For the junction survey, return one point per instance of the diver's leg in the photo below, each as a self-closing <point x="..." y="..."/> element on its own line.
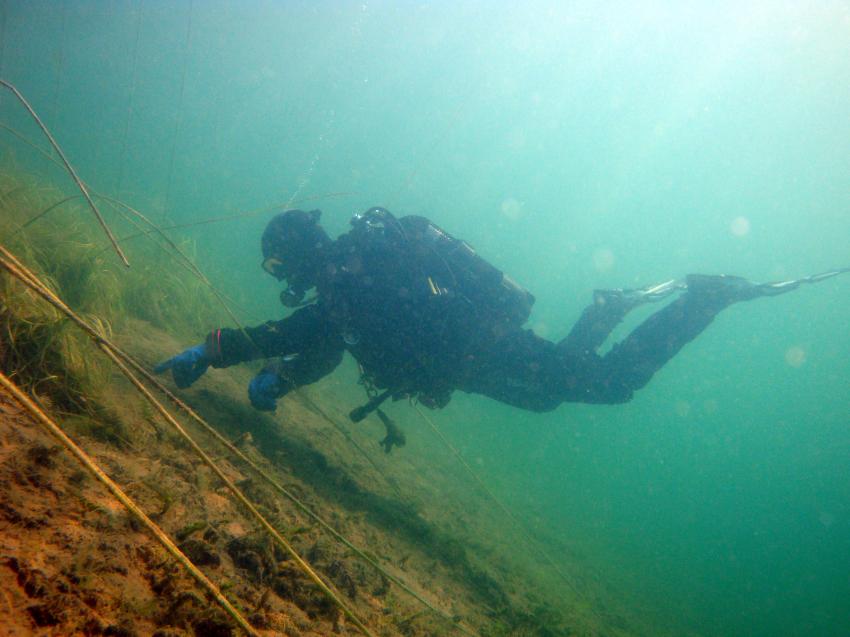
<point x="526" y="371"/>
<point x="594" y="325"/>
<point x="530" y="372"/>
<point x="599" y="319"/>
<point x="632" y="362"/>
<point x="520" y="369"/>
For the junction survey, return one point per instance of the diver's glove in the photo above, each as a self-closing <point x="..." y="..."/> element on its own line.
<point x="264" y="390"/>
<point x="187" y="367"/>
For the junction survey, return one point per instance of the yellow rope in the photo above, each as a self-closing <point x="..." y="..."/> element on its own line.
<point x="128" y="503"/>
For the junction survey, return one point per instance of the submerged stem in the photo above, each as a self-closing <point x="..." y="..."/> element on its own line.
<point x="70" y="170"/>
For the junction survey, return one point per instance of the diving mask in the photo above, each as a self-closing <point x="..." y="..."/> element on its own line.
<point x="275" y="267"/>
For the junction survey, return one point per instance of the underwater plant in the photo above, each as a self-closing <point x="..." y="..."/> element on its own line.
<point x="64" y="248"/>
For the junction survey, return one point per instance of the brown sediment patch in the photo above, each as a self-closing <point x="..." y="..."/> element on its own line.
<point x="73" y="562"/>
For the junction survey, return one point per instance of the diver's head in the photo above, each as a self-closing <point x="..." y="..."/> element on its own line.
<point x="293" y="246"/>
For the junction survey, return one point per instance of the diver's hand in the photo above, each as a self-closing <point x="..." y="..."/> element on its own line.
<point x="187" y="367"/>
<point x="395" y="436"/>
<point x="264" y="390"/>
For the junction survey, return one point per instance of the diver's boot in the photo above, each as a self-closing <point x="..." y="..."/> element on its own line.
<point x="721" y="289"/>
<point x="725" y="289"/>
<point x="629" y="299"/>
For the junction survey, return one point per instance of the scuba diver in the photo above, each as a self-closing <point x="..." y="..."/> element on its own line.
<point x="424" y="315"/>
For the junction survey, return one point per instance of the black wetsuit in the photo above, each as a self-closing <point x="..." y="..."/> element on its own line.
<point x="530" y="372"/>
<point x="397" y="307"/>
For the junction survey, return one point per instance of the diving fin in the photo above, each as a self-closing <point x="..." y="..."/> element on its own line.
<point x="734" y="288"/>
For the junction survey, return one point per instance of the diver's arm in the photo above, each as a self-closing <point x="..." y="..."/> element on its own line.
<point x="227" y="346"/>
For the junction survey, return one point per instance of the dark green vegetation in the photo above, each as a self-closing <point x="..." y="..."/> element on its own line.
<point x="65" y="249"/>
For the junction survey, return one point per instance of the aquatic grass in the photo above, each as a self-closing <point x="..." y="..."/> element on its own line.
<point x="64" y="250"/>
<point x="38" y="347"/>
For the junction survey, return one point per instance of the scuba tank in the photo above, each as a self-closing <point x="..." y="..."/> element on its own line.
<point x="479" y="280"/>
<point x="463" y="270"/>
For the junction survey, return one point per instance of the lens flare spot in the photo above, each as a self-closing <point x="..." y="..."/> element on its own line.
<point x="511" y="208"/>
<point x="603" y="259"/>
<point x="795" y="356"/>
<point x="710" y="406"/>
<point x="740" y="226"/>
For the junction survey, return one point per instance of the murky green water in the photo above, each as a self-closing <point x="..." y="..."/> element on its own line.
<point x="578" y="146"/>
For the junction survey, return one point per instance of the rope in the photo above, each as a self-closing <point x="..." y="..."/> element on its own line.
<point x="70" y="170"/>
<point x="283" y="491"/>
<point x="438" y="140"/>
<point x="18" y="270"/>
<point x="312" y="405"/>
<point x="502" y="507"/>
<point x="128" y="503"/>
<point x="184" y="261"/>
<point x="200" y="275"/>
<point x="153" y="228"/>
<point x="194" y="269"/>
<point x="29" y="142"/>
<point x="239" y="215"/>
<point x="292" y="497"/>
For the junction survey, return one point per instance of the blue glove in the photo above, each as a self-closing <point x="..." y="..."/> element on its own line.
<point x="187" y="366"/>
<point x="264" y="390"/>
